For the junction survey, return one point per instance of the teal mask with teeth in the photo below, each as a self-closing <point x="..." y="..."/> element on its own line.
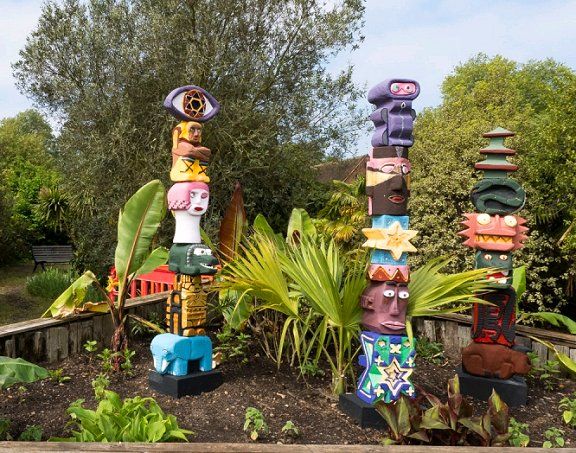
<point x="192" y="259"/>
<point x="502" y="261"/>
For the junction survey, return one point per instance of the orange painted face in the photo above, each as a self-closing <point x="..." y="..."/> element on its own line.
<point x="495" y="232"/>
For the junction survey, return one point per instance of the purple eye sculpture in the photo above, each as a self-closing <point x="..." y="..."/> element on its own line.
<point x="183" y="357"/>
<point x="394" y="116"/>
<point x="388" y="352"/>
<point x="493" y="360"/>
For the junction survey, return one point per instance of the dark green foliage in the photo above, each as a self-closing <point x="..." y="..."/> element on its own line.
<point x="536" y="100"/>
<point x="131" y="420"/>
<point x="450" y="423"/>
<point x="430" y="350"/>
<point x="264" y="61"/>
<point x="26" y="167"/>
<point x="548" y="372"/>
<point x="233" y="344"/>
<point x="32" y="433"/>
<point x="51" y="283"/>
<point x="5" y="429"/>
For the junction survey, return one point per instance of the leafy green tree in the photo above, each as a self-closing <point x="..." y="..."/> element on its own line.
<point x="104" y="67"/>
<point x="537" y="100"/>
<point x="26" y="166"/>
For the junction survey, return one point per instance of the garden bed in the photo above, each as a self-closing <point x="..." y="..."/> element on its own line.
<point x="279" y="395"/>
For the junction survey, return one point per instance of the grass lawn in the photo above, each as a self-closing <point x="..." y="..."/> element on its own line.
<point x="15" y="302"/>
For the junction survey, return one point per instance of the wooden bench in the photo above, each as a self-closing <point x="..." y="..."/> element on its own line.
<point x="43" y="254"/>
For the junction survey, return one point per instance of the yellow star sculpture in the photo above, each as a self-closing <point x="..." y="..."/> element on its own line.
<point x="394" y="239"/>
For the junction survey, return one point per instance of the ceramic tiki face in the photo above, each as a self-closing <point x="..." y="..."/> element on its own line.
<point x="497" y="233"/>
<point x="186" y="142"/>
<point x="385" y="305"/>
<point x="500" y="260"/>
<point x="387" y="193"/>
<point x="191" y="103"/>
<point x="498" y="196"/>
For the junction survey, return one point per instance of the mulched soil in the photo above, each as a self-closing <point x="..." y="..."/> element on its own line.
<point x="219" y="416"/>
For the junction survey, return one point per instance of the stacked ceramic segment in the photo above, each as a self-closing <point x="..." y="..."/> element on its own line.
<point x="388" y="353"/>
<point x="495" y="232"/>
<point x="191" y="260"/>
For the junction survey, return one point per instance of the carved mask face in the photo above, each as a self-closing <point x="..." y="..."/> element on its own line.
<point x="198" y="201"/>
<point x="385" y="305"/>
<point x="389" y="195"/>
<point x="499" y="260"/>
<point x="190" y="132"/>
<point x="498" y="196"/>
<point x="487" y="232"/>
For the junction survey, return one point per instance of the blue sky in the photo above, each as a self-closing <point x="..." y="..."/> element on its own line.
<point x="420" y="39"/>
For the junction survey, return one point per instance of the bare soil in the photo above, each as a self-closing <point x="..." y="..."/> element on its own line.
<point x="219" y="416"/>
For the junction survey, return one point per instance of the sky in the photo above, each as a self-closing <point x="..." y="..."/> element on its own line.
<point x="419" y="39"/>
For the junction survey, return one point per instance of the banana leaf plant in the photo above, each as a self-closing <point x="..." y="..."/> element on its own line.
<point x="138" y="222"/>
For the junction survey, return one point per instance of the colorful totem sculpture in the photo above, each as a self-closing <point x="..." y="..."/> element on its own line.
<point x="388" y="353"/>
<point x="185" y="348"/>
<point x="495" y="232"/>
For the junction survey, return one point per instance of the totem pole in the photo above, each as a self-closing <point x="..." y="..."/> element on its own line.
<point x="492" y="360"/>
<point x="388" y="353"/>
<point x="183" y="357"/>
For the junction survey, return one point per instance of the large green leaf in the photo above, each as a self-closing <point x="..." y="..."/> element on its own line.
<point x="519" y="282"/>
<point x="555" y="319"/>
<point x="14" y="371"/>
<point x="72" y="297"/>
<point x="158" y="257"/>
<point x="300" y="226"/>
<point x="138" y="222"/>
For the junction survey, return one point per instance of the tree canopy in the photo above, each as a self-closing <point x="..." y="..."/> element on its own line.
<point x="103" y="68"/>
<point x="537" y="100"/>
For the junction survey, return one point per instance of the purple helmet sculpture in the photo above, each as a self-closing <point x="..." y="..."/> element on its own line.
<point x="394" y="116"/>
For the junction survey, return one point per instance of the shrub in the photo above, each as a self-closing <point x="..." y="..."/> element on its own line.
<point x="32" y="433"/>
<point x="132" y="420"/>
<point x="53" y="282"/>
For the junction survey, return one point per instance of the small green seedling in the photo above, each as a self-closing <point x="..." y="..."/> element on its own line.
<point x="5" y="428"/>
<point x="91" y="346"/>
<point x="568" y="405"/>
<point x="57" y="376"/>
<point x="99" y="385"/>
<point x="518" y="433"/>
<point x="290" y="429"/>
<point x="554" y="438"/>
<point x="255" y="424"/>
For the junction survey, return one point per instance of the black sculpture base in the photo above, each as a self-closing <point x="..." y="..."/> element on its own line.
<point x="191" y="384"/>
<point x="362" y="413"/>
<point x="513" y="391"/>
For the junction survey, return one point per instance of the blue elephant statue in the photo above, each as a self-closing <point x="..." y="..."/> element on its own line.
<point x="172" y="353"/>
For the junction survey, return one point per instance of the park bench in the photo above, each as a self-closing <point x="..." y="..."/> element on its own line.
<point x="43" y="254"/>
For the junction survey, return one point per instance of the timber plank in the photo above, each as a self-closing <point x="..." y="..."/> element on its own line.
<point x="233" y="448"/>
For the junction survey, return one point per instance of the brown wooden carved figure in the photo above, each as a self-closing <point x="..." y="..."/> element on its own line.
<point x="495" y="324"/>
<point x="494" y="361"/>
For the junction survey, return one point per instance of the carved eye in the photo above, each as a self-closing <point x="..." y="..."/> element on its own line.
<point x="405" y="169"/>
<point x="204" y="195"/>
<point x="394" y="88"/>
<point x="387" y="168"/>
<point x="403" y="294"/>
<point x="191" y="103"/>
<point x="487" y="257"/>
<point x="483" y="219"/>
<point x="503" y="257"/>
<point x="201" y="252"/>
<point x="510" y="221"/>
<point x="408" y="87"/>
<point x="389" y="293"/>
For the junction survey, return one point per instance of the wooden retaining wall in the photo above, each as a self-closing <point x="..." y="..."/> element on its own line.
<point x="50" y="340"/>
<point x="454" y="332"/>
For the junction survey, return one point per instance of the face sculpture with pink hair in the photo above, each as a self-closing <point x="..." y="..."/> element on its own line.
<point x="188" y="201"/>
